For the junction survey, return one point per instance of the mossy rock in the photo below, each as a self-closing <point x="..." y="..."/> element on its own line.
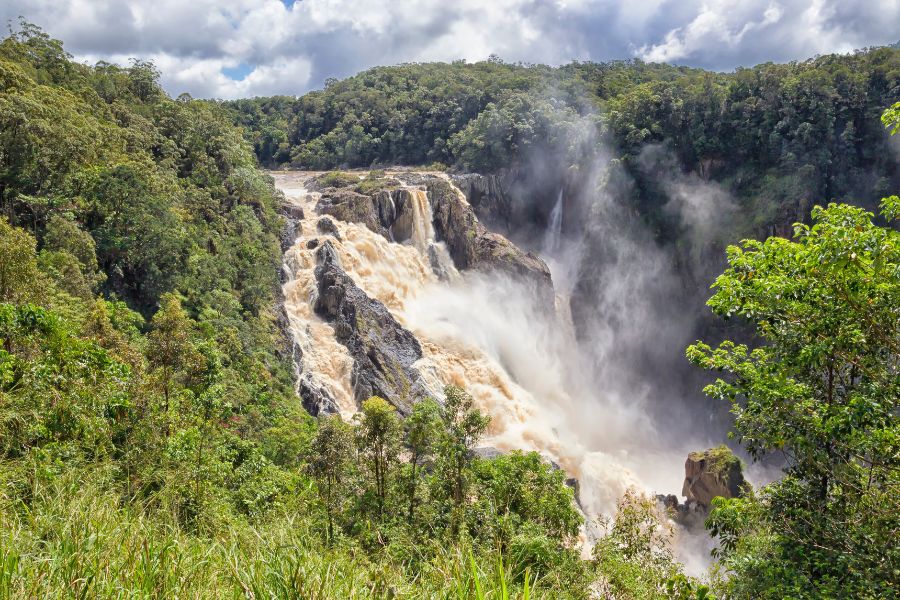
<point x="715" y="472"/>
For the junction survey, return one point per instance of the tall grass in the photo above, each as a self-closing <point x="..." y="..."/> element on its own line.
<point x="76" y="538"/>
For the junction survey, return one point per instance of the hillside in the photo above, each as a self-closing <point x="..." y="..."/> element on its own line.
<point x="152" y="438"/>
<point x="778" y="137"/>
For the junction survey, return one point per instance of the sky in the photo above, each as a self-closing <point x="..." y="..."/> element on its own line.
<point x="243" y="48"/>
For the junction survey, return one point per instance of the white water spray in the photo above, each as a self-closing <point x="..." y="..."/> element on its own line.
<point x="483" y="333"/>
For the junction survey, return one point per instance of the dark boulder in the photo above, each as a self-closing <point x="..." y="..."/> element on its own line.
<point x="289" y="234"/>
<point x="327" y="226"/>
<point x="383" y="351"/>
<point x="293" y="211"/>
<point x="292" y="215"/>
<point x="315" y="398"/>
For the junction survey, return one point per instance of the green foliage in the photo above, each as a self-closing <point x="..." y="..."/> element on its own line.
<point x="891" y="118"/>
<point x="777" y="137"/>
<point x="79" y="539"/>
<point x="19" y="276"/>
<point x="338" y="179"/>
<point x="330" y="464"/>
<point x="635" y="557"/>
<point x="378" y="440"/>
<point x="462" y="428"/>
<point x="823" y="390"/>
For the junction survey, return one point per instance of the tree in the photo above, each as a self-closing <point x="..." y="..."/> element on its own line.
<point x="19" y="276"/>
<point x="823" y="390"/>
<point x="64" y="234"/>
<point x="331" y="464"/>
<point x="378" y="439"/>
<point x="463" y="425"/>
<point x="422" y="429"/>
<point x="891" y="118"/>
<point x="169" y="347"/>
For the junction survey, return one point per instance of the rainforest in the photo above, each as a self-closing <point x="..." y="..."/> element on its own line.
<point x="615" y="330"/>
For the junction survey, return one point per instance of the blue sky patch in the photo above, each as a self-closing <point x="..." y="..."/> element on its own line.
<point x="239" y="72"/>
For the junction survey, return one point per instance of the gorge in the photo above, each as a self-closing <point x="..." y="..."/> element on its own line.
<point x="478" y="320"/>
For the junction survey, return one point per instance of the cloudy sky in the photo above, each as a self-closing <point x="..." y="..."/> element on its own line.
<point x="235" y="48"/>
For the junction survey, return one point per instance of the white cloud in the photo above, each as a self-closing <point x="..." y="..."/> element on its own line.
<point x="717" y="23"/>
<point x="294" y="49"/>
<point x="724" y="33"/>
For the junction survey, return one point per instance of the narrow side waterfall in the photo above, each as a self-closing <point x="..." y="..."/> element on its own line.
<point x="554" y="227"/>
<point x="485" y="333"/>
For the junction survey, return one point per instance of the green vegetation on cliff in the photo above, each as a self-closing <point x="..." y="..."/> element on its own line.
<point x="779" y="137"/>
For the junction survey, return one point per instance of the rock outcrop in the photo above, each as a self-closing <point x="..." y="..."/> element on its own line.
<point x="388" y="212"/>
<point x="383" y="351"/>
<point x="472" y="246"/>
<point x="392" y="213"/>
<point x="315" y="398"/>
<point x="716" y="472"/>
<point x="327" y="226"/>
<point x="351" y="207"/>
<point x="489" y="196"/>
<point x="292" y="215"/>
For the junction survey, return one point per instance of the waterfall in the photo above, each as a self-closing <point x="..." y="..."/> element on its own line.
<point x="484" y="333"/>
<point x="422" y="228"/>
<point x="554" y="227"/>
<point x="423" y="237"/>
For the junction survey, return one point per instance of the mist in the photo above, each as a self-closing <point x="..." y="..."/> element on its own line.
<point x="608" y="369"/>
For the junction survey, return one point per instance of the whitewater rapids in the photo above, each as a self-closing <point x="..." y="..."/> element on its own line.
<point x="482" y="333"/>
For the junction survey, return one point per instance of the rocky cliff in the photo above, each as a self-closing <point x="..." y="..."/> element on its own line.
<point x="383" y="351"/>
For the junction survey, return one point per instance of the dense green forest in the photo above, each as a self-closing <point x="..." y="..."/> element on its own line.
<point x="779" y="136"/>
<point x="152" y="443"/>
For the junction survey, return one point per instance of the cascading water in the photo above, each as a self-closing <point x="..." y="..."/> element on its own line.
<point x="422" y="230"/>
<point x="485" y="334"/>
<point x="423" y="236"/>
<point x="554" y="227"/>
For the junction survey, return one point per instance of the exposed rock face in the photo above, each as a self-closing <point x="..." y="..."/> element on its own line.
<point x="716" y="472"/>
<point x="316" y="399"/>
<point x="392" y="213"/>
<point x="489" y="195"/>
<point x="292" y="215"/>
<point x="486" y="452"/>
<point x="472" y="246"/>
<point x="352" y="207"/>
<point x="326" y="225"/>
<point x="292" y="211"/>
<point x="287" y="348"/>
<point x="383" y="351"/>
<point x="388" y="212"/>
